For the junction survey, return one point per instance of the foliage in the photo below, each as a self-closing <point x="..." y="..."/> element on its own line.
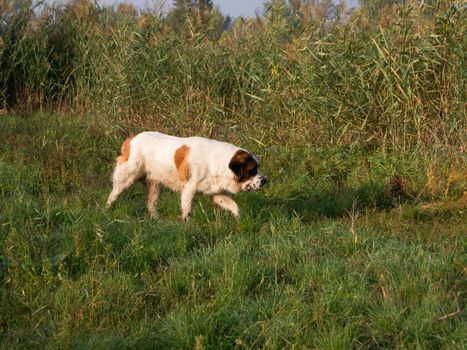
<point x="394" y="79"/>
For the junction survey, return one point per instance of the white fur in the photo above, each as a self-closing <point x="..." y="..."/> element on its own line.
<point x="152" y="157"/>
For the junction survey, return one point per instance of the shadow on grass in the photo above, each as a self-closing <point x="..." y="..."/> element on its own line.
<point x="339" y="201"/>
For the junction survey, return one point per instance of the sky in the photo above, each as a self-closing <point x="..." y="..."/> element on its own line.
<point x="233" y="8"/>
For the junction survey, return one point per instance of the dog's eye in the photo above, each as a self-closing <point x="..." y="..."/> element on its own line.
<point x="253" y="172"/>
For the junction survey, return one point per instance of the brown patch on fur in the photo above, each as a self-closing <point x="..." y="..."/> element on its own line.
<point x="241" y="164"/>
<point x="181" y="162"/>
<point x="125" y="151"/>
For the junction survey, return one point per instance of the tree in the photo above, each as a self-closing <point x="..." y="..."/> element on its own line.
<point x="197" y="15"/>
<point x="373" y="7"/>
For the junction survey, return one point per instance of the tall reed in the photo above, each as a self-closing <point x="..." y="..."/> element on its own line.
<point x="395" y="80"/>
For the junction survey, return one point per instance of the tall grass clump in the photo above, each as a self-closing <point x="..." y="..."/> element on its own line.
<point x="395" y="79"/>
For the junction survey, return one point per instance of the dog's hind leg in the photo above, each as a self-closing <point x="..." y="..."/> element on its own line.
<point x="124" y="176"/>
<point x="154" y="190"/>
<point x="227" y="203"/>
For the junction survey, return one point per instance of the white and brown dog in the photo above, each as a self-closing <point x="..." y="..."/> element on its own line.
<point x="187" y="165"/>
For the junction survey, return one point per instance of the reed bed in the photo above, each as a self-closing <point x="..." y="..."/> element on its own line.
<point x="397" y="79"/>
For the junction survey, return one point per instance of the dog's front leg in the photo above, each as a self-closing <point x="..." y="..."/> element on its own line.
<point x="227" y="203"/>
<point x="188" y="193"/>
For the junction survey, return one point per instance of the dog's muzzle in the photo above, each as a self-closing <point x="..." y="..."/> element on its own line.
<point x="256" y="184"/>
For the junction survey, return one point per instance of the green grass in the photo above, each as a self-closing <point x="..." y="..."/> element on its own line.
<point x="348" y="247"/>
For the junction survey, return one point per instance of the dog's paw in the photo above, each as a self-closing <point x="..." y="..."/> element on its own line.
<point x="154" y="216"/>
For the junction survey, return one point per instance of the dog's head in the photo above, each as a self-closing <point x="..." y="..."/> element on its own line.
<point x="245" y="167"/>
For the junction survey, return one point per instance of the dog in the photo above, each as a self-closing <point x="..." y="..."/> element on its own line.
<point x="187" y="165"/>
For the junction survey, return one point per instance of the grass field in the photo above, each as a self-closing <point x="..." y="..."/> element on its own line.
<point x="358" y="241"/>
<point x="346" y="248"/>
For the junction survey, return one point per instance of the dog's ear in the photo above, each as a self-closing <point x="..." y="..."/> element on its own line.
<point x="240" y="163"/>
